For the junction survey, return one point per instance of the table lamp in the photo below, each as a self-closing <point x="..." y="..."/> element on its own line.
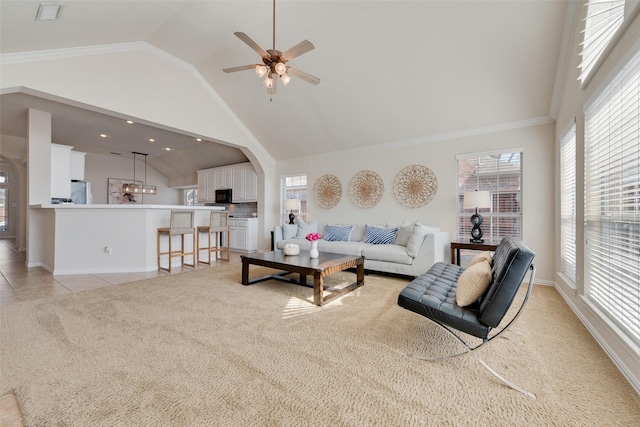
<point x="291" y="205"/>
<point x="478" y="200"/>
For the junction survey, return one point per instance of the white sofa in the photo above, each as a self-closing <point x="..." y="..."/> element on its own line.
<point x="415" y="248"/>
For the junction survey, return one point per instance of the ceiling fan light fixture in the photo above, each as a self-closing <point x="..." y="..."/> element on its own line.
<point x="268" y="82"/>
<point x="261" y="70"/>
<point x="285" y="79"/>
<point x="281" y="68"/>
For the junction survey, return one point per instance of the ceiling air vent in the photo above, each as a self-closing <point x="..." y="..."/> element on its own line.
<point x="48" y="12"/>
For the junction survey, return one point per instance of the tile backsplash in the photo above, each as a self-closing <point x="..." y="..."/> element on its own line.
<point x="239" y="210"/>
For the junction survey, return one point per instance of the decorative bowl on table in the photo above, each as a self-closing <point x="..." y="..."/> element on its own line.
<point x="291" y="249"/>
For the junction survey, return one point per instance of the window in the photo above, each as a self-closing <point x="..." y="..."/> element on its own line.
<point x="294" y="187"/>
<point x="500" y="173"/>
<point x="4" y="196"/>
<point x="602" y="21"/>
<point x="190" y="196"/>
<point x="612" y="199"/>
<point x="568" y="204"/>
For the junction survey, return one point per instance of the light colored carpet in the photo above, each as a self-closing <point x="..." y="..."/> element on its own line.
<point x="200" y="349"/>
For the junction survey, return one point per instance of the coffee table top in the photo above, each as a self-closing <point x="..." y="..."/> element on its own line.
<point x="278" y="258"/>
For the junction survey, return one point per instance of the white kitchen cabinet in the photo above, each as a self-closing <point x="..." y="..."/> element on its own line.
<point x="224" y="177"/>
<point x="77" y="165"/>
<point x="60" y="171"/>
<point x="202" y="185"/>
<point x="241" y="179"/>
<point x="245" y="183"/>
<point x="243" y="235"/>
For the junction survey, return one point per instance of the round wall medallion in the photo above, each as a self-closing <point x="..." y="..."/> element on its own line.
<point x="327" y="191"/>
<point x="415" y="186"/>
<point x="366" y="189"/>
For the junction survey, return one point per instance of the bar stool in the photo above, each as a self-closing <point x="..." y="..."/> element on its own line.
<point x="181" y="224"/>
<point x="218" y="224"/>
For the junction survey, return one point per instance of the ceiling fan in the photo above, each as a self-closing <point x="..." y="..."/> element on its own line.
<point x="274" y="61"/>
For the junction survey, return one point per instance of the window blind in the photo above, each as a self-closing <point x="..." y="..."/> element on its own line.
<point x="604" y="17"/>
<point x="568" y="203"/>
<point x="612" y="199"/>
<point x="500" y="173"/>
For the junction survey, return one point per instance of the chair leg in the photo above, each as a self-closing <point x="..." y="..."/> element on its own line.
<point x="504" y="380"/>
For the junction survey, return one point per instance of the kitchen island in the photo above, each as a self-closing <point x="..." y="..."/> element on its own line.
<point x="90" y="239"/>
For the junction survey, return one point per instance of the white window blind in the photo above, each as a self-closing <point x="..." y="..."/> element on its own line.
<point x="612" y="205"/>
<point x="568" y="203"/>
<point x="500" y="173"/>
<point x="604" y="17"/>
<point x="295" y="187"/>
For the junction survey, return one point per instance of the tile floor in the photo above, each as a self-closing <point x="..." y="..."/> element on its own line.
<point x="19" y="283"/>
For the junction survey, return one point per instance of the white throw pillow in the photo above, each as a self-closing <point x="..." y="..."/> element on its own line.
<point x="304" y="229"/>
<point x="473" y="283"/>
<point x="289" y="231"/>
<point x="405" y="230"/>
<point x="416" y="239"/>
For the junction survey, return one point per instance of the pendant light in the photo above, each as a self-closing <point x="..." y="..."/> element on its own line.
<point x="134" y="188"/>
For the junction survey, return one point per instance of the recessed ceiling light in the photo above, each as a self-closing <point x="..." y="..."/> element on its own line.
<point x="130" y="122"/>
<point x="199" y="139"/>
<point x="102" y="135"/>
<point x="168" y="149"/>
<point x="152" y="140"/>
<point x="48" y="12"/>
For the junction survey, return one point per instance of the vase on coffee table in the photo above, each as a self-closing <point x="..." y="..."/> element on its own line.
<point x="313" y="252"/>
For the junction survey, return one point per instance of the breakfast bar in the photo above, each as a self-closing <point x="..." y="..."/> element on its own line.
<point x="89" y="239"/>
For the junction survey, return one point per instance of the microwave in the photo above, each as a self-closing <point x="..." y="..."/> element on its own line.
<point x="223" y="196"/>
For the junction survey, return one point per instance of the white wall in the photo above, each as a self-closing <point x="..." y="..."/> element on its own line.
<point x="537" y="143"/>
<point x="100" y="167"/>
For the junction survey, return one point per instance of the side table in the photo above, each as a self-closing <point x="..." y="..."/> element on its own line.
<point x="456" y="245"/>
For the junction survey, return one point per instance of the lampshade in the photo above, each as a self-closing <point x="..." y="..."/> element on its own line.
<point x="292" y="205"/>
<point x="285" y="79"/>
<point x="477" y="200"/>
<point x="281" y="68"/>
<point x="268" y="82"/>
<point x="261" y="70"/>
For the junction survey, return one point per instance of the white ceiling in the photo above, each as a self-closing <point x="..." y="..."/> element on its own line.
<point x="391" y="70"/>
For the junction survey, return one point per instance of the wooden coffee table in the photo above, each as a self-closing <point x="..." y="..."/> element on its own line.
<point x="324" y="265"/>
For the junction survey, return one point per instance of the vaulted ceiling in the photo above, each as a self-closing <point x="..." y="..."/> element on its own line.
<point x="391" y="70"/>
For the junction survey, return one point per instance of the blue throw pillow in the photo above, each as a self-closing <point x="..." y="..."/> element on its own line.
<point x="337" y="233"/>
<point x="379" y="235"/>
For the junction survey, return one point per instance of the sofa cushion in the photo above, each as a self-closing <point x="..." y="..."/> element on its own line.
<point x="379" y="235"/>
<point x="304" y="229"/>
<point x="473" y="283"/>
<point x="388" y="253"/>
<point x="357" y="233"/>
<point x="337" y="233"/>
<point x="289" y="231"/>
<point x="345" y="248"/>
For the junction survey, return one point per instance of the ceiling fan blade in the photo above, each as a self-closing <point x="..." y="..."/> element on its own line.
<point x="304" y="76"/>
<point x="297" y="50"/>
<point x="240" y="68"/>
<point x="253" y="45"/>
<point x="274" y="87"/>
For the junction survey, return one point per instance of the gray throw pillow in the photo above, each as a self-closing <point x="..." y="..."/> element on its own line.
<point x="416" y="239"/>
<point x="304" y="229"/>
<point x="289" y="231"/>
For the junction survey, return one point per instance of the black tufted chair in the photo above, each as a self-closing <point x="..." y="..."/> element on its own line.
<point x="433" y="295"/>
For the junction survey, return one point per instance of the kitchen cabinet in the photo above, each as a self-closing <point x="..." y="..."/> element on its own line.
<point x="77" y="165"/>
<point x="60" y="171"/>
<point x="224" y="178"/>
<point x="243" y="234"/>
<point x="245" y="183"/>
<point x="241" y="179"/>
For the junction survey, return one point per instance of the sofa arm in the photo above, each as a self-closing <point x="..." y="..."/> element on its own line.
<point x="277" y="235"/>
<point x="435" y="248"/>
